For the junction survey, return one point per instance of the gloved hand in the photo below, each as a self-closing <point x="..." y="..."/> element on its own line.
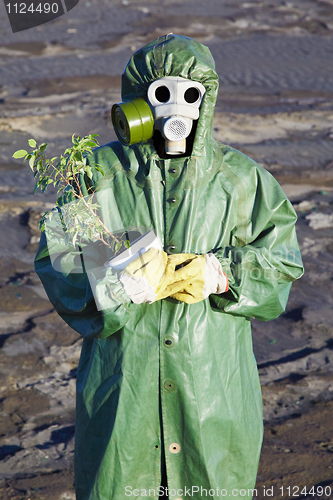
<point x="177" y="274"/>
<point x="142" y="276"/>
<point x="190" y="278"/>
<point x="205" y="276"/>
<point x="152" y="276"/>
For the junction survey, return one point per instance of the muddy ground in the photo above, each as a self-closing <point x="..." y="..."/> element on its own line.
<point x="275" y="62"/>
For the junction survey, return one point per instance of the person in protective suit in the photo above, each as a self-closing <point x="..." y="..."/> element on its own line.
<point x="167" y="381"/>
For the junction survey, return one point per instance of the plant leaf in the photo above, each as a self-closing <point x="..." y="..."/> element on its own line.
<point x="32" y="143"/>
<point x="20" y="153"/>
<point x="32" y="162"/>
<point x="88" y="171"/>
<point x="78" y="156"/>
<point x="117" y="247"/>
<point x="68" y="188"/>
<point x="99" y="169"/>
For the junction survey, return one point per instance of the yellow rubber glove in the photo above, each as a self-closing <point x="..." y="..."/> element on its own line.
<point x="207" y="277"/>
<point x="143" y="275"/>
<point x="189" y="278"/>
<point x="154" y="275"/>
<point x="177" y="275"/>
<point x="150" y="265"/>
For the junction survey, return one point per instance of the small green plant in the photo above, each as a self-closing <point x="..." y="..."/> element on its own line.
<point x="81" y="214"/>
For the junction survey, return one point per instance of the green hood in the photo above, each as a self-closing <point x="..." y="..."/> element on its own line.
<point x="175" y="55"/>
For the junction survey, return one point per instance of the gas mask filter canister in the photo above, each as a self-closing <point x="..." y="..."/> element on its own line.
<point x="132" y="121"/>
<point x="172" y="101"/>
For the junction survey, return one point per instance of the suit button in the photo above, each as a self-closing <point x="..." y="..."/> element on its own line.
<point x="172" y="170"/>
<point x="168" y="342"/>
<point x="170" y="386"/>
<point x="174" y="448"/>
<point x="172" y="200"/>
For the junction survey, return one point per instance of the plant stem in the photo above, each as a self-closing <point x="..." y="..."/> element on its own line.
<point x="94" y="214"/>
<point x="100" y="222"/>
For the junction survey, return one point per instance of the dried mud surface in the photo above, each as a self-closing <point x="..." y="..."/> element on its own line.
<point x="275" y="103"/>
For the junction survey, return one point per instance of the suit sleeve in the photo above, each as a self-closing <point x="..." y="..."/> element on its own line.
<point x="88" y="296"/>
<point x="261" y="271"/>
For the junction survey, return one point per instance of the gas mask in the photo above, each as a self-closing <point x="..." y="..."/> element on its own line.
<point x="173" y="104"/>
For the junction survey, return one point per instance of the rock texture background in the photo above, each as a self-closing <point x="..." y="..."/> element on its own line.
<point x="275" y="62"/>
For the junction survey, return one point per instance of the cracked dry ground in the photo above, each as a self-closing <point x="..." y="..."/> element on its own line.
<point x="275" y="104"/>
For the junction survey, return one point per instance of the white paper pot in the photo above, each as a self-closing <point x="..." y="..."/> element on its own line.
<point x="138" y="247"/>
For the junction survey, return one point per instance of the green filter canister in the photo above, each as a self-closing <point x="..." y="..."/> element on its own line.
<point x="133" y="121"/>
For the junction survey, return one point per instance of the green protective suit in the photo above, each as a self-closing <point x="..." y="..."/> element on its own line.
<point x="168" y="380"/>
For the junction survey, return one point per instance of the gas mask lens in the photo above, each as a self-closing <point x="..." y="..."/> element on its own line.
<point x="162" y="94"/>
